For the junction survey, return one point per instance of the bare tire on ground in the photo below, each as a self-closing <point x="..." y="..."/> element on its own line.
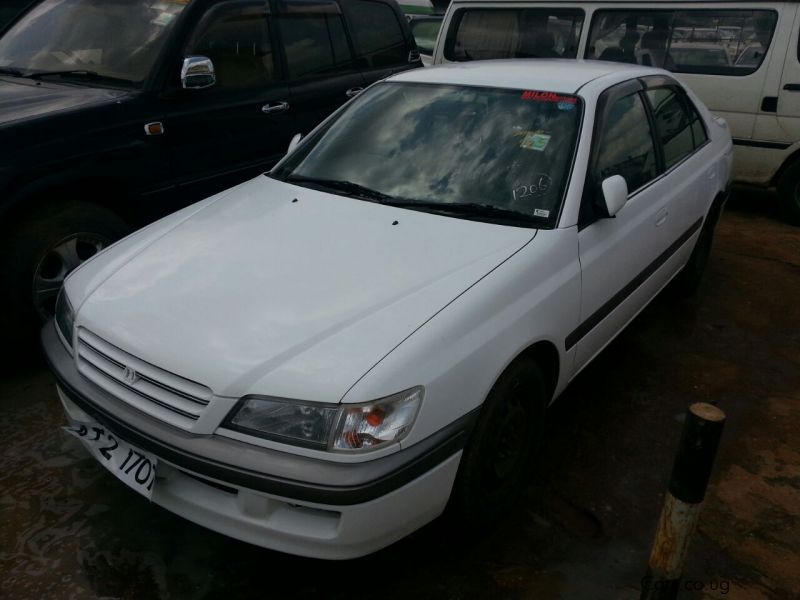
<point x="38" y="252"/>
<point x="497" y="460"/>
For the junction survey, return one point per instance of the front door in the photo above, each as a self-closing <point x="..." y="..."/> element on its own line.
<point x="244" y="122"/>
<point x="616" y="254"/>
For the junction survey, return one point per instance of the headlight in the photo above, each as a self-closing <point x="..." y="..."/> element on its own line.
<point x="65" y="318"/>
<point x="337" y="427"/>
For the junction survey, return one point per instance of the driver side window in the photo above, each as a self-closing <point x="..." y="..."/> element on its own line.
<point x="626" y="144"/>
<point x="236" y="39"/>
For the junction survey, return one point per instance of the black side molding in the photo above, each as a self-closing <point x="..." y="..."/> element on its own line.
<point x="601" y="313"/>
<point x="760" y="144"/>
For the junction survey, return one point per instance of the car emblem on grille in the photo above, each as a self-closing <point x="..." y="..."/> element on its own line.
<point x="129" y="375"/>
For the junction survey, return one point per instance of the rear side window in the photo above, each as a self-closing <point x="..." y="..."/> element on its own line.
<point x="714" y="42"/>
<point x="377" y="34"/>
<point x="486" y="33"/>
<point x="315" y="44"/>
<point x="673" y="126"/>
<point x="699" y="134"/>
<point x="236" y="40"/>
<point x="626" y="145"/>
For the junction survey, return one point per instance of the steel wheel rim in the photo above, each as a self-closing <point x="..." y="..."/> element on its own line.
<point x="58" y="262"/>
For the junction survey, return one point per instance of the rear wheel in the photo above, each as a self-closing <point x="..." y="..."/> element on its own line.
<point x="692" y="273"/>
<point x="497" y="460"/>
<point x="39" y="252"/>
<point x="789" y="193"/>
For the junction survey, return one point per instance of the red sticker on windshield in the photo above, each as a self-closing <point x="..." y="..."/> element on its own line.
<point x="534" y="96"/>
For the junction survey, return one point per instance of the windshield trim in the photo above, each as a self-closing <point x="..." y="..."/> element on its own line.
<point x="279" y="173"/>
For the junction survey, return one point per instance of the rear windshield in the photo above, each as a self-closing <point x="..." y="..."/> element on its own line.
<point x="486" y="33"/>
<point x="444" y="144"/>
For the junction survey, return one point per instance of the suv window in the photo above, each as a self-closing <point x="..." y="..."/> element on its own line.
<point x="672" y="124"/>
<point x="715" y="42"/>
<point x="626" y="145"/>
<point x="236" y="39"/>
<point x="377" y="34"/>
<point x="315" y="44"/>
<point x="486" y="33"/>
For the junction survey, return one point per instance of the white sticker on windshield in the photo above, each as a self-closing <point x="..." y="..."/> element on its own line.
<point x="540" y="212"/>
<point x="535" y="141"/>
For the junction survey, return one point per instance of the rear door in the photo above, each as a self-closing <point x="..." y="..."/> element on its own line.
<point x="789" y="93"/>
<point x="382" y="40"/>
<point x="319" y="59"/>
<point x="243" y="123"/>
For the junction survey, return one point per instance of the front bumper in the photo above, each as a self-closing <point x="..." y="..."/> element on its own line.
<point x="286" y="502"/>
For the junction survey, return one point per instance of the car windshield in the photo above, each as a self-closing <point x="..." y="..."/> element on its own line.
<point x="471" y="152"/>
<point x="113" y="40"/>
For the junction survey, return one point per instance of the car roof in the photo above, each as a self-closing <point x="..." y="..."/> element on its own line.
<point x="565" y="76"/>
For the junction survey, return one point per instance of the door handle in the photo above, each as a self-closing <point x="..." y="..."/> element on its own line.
<point x="792" y="87"/>
<point x="277" y="107"/>
<point x="354" y="91"/>
<point x="661" y="217"/>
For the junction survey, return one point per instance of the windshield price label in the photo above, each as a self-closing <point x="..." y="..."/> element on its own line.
<point x="135" y="468"/>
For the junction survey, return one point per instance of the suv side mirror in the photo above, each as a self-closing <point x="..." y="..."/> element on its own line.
<point x="197" y="73"/>
<point x="295" y="140"/>
<point x="615" y="194"/>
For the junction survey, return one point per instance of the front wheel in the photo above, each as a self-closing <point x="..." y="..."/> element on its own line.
<point x="497" y="460"/>
<point x="39" y="252"/>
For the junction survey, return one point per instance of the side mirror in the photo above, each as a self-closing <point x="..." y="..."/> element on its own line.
<point x="295" y="140"/>
<point x="197" y="73"/>
<point x="615" y="194"/>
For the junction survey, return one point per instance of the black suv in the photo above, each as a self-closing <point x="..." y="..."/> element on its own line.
<point x="115" y="112"/>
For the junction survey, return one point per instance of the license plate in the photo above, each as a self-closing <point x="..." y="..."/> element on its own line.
<point x="134" y="467"/>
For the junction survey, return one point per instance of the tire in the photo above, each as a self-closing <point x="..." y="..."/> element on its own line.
<point x="688" y="280"/>
<point x="38" y="252"/>
<point x="497" y="460"/>
<point x="789" y="193"/>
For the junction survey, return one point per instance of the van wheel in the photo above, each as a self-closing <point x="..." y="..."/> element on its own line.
<point x="38" y="254"/>
<point x="498" y="457"/>
<point x="789" y="193"/>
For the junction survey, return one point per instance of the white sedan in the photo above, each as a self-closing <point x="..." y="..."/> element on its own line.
<point x="320" y="359"/>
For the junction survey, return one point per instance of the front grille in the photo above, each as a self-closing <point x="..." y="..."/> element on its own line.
<point x="146" y="387"/>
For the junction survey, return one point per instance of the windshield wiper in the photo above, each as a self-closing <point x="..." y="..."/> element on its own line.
<point x="348" y="187"/>
<point x="470" y="209"/>
<point x="13" y="71"/>
<point x="76" y="73"/>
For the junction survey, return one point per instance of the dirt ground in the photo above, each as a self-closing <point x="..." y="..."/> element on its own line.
<point x="68" y="529"/>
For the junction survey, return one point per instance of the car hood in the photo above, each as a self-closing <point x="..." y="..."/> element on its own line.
<point x="282" y="290"/>
<point x="23" y="99"/>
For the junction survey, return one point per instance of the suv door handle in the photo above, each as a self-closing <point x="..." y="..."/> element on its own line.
<point x="268" y="109"/>
<point x="792" y="87"/>
<point x="354" y="91"/>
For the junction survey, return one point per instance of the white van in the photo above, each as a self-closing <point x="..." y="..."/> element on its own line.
<point x="741" y="58"/>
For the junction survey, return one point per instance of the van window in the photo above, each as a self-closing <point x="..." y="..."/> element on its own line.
<point x="485" y="33"/>
<point x="714" y="42"/>
<point x="236" y="41"/>
<point x="377" y="34"/>
<point x="672" y="124"/>
<point x="626" y="145"/>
